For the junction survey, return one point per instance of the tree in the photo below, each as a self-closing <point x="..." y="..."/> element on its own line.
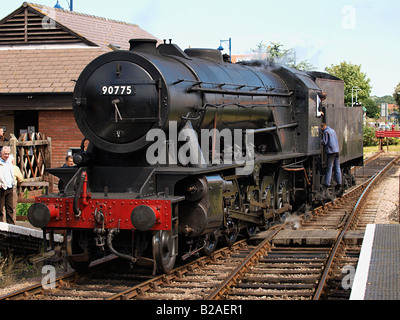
<point x="353" y="77"/>
<point x="384" y="99"/>
<point x="396" y="94"/>
<point x="373" y="109"/>
<point x="277" y="54"/>
<point x="369" y="138"/>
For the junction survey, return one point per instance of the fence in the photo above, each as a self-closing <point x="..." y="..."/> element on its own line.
<point x="33" y="154"/>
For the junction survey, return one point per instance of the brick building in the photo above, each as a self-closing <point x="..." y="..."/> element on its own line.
<point x="42" y="51"/>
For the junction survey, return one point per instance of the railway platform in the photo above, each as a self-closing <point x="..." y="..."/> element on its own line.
<point x="22" y="238"/>
<point x="377" y="275"/>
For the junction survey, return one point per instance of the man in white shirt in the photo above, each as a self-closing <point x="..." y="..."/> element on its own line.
<point x="6" y="185"/>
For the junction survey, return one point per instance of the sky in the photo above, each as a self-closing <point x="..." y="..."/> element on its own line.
<point x="362" y="32"/>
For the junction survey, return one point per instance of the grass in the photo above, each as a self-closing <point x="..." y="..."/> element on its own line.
<point x="369" y="150"/>
<point x="13" y="270"/>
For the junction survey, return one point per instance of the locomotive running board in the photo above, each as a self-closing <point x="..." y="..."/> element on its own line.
<point x="257" y="219"/>
<point x="248" y="217"/>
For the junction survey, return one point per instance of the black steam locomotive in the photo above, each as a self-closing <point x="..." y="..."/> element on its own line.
<point x="187" y="149"/>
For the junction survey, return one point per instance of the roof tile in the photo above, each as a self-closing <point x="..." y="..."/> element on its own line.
<point x="101" y="31"/>
<point x="52" y="71"/>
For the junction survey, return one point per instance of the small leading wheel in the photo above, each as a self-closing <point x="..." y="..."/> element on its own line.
<point x="80" y="266"/>
<point x="211" y="243"/>
<point x="77" y="250"/>
<point x="165" y="249"/>
<point x="250" y="231"/>
<point x="230" y="238"/>
<point x="231" y="234"/>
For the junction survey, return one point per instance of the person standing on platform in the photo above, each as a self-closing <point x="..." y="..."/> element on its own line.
<point x="6" y="185"/>
<point x="18" y="179"/>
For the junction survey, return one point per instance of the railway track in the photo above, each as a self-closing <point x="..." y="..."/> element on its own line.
<point x="336" y="281"/>
<point x="247" y="270"/>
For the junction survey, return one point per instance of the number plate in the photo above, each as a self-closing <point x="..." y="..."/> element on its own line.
<point x="120" y="90"/>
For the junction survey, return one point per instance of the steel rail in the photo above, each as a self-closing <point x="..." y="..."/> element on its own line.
<point x="327" y="269"/>
<point x="250" y="260"/>
<point x="37" y="288"/>
<point x="21" y="294"/>
<point x="179" y="271"/>
<point x="224" y="287"/>
<point x="366" y="161"/>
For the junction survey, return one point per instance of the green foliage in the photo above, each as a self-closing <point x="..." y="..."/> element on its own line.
<point x="22" y="208"/>
<point x="396" y="94"/>
<point x="277" y="54"/>
<point x="384" y="99"/>
<point x="369" y="138"/>
<point x="353" y="77"/>
<point x="274" y="52"/>
<point x="392" y="141"/>
<point x="373" y="109"/>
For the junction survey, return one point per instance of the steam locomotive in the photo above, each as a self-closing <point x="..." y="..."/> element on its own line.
<point x="187" y="149"/>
